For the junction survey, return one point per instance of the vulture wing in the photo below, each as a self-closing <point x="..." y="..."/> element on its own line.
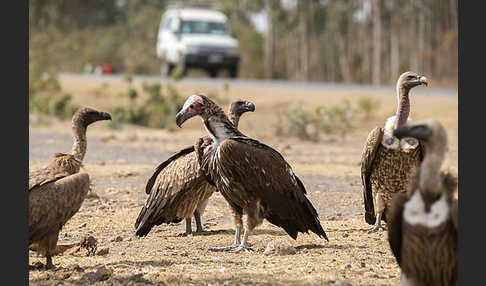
<point x="250" y="170"/>
<point x="372" y="144"/>
<point x="174" y="190"/>
<point x="52" y="204"/>
<point x="44" y="176"/>
<point x="394" y="225"/>
<point x="151" y="181"/>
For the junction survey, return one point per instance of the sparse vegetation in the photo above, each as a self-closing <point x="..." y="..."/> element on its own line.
<point x="47" y="97"/>
<point x="334" y="119"/>
<point x="158" y="110"/>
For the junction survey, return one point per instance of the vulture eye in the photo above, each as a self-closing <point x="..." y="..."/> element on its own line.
<point x="191" y="106"/>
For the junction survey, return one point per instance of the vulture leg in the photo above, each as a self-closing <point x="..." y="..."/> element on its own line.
<point x="197" y="217"/>
<point x="243" y="245"/>
<point x="188" y="228"/>
<point x="380" y="208"/>
<point x="377" y="225"/>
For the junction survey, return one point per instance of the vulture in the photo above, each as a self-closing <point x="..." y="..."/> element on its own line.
<point x="177" y="189"/>
<point x="57" y="191"/>
<point x="253" y="177"/>
<point x="423" y="223"/>
<point x="387" y="162"/>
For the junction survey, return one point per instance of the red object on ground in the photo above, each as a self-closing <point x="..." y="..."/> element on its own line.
<point x="107" y="68"/>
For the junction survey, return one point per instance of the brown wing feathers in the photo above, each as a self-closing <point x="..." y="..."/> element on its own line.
<point x="373" y="142"/>
<point x="270" y="180"/>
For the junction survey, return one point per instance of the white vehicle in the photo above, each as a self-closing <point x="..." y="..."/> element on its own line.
<point x="196" y="37"/>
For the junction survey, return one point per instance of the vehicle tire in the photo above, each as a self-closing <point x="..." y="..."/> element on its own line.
<point x="213" y="73"/>
<point x="166" y="69"/>
<point x="233" y="72"/>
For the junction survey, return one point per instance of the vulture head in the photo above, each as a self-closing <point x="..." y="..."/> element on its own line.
<point x="85" y="116"/>
<point x="238" y="107"/>
<point x="429" y="131"/>
<point x="408" y="80"/>
<point x="196" y="104"/>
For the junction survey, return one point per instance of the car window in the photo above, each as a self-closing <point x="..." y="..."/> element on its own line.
<point x="204" y="27"/>
<point x="167" y="23"/>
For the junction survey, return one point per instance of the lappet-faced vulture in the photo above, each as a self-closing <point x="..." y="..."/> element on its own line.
<point x="253" y="178"/>
<point x="177" y="189"/>
<point x="387" y="162"/>
<point x="57" y="191"/>
<point x="423" y="223"/>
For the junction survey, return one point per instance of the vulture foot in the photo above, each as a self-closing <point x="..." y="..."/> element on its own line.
<point x="375" y="228"/>
<point x="224" y="248"/>
<point x="184" y="234"/>
<point x="242" y="248"/>
<point x="200" y="232"/>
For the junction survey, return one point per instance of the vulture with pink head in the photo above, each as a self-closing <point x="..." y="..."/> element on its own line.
<point x="177" y="189"/>
<point x="253" y="177"/>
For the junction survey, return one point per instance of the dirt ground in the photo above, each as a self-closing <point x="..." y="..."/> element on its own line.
<point x="119" y="163"/>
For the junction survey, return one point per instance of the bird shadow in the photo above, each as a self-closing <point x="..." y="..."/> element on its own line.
<point x="309" y="246"/>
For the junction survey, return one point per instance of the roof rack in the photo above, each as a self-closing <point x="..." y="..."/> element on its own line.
<point x="209" y="6"/>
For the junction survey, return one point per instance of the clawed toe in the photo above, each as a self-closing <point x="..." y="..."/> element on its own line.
<point x="376" y="228"/>
<point x="241" y="248"/>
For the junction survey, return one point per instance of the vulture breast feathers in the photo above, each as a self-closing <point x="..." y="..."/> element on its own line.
<point x="248" y="172"/>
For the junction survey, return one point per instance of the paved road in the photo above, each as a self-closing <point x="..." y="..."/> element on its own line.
<point x="217" y="82"/>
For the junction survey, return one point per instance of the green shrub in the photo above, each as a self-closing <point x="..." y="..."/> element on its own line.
<point x="368" y="106"/>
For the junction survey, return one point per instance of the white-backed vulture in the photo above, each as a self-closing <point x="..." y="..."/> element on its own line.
<point x="253" y="178"/>
<point x="177" y="189"/>
<point x="57" y="191"/>
<point x="423" y="223"/>
<point x="387" y="162"/>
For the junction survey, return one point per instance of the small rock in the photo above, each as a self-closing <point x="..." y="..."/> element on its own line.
<point x="82" y="225"/>
<point x="116" y="239"/>
<point x="279" y="247"/>
<point x="345" y="235"/>
<point x="101" y="274"/>
<point x="370" y="274"/>
<point x="103" y="251"/>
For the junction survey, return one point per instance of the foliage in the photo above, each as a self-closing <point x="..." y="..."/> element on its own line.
<point x="158" y="110"/>
<point x="46" y="95"/>
<point x="336" y="119"/>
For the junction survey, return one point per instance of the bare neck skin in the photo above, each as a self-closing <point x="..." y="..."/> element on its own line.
<point x="80" y="143"/>
<point x="430" y="170"/>
<point x="403" y="109"/>
<point x="219" y="127"/>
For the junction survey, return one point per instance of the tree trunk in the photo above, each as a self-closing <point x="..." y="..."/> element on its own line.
<point x="269" y="41"/>
<point x="394" y="42"/>
<point x="377" y="41"/>
<point x="305" y="39"/>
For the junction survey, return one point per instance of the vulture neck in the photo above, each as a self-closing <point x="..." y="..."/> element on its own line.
<point x="403" y="109"/>
<point x="234" y="118"/>
<point x="80" y="143"/>
<point x="430" y="171"/>
<point x="219" y="127"/>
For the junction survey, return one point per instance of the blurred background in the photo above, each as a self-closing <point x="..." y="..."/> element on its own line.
<point x="350" y="41"/>
<point x="312" y="67"/>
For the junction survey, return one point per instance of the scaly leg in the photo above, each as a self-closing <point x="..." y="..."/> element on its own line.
<point x="199" y="228"/>
<point x="243" y="245"/>
<point x="188" y="228"/>
<point x="49" y="264"/>
<point x="235" y="244"/>
<point x="380" y="208"/>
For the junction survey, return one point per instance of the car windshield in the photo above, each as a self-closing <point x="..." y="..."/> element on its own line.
<point x="203" y="27"/>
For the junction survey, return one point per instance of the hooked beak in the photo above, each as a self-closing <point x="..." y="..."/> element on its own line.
<point x="182" y="116"/>
<point x="423" y="80"/>
<point x="105" y="116"/>
<point x="419" y="131"/>
<point x="250" y="106"/>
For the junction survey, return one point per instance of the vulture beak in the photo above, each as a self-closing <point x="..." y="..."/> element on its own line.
<point x="419" y="131"/>
<point x="105" y="116"/>
<point x="182" y="116"/>
<point x="423" y="80"/>
<point x="249" y="106"/>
